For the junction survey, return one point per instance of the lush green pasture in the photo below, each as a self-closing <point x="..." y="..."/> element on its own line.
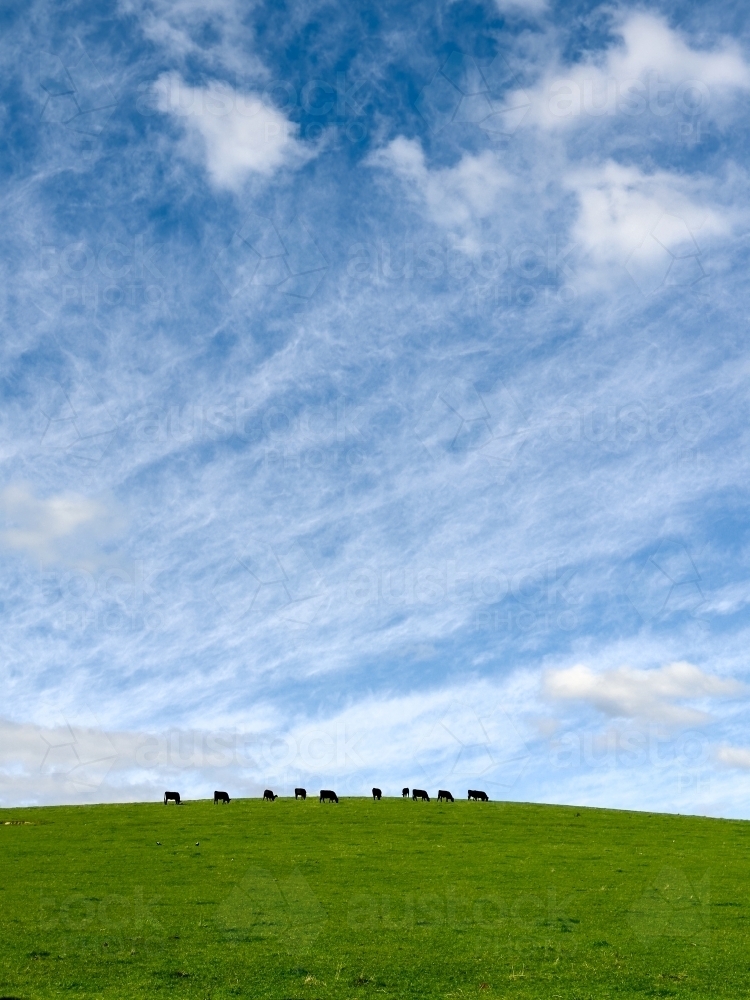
<point x="394" y="898"/>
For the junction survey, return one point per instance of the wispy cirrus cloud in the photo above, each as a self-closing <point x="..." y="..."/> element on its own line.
<point x="492" y="439"/>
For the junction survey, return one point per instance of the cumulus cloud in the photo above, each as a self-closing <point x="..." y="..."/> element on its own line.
<point x="648" y="43"/>
<point x="641" y="694"/>
<point x="234" y="133"/>
<point x="453" y="196"/>
<point x="651" y="69"/>
<point x="67" y="528"/>
<point x="620" y="206"/>
<point x="627" y="218"/>
<point x="738" y="757"/>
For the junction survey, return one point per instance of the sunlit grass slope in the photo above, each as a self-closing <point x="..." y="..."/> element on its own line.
<point x="295" y="899"/>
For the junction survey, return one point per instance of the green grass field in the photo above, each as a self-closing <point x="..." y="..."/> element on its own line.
<point x="396" y="898"/>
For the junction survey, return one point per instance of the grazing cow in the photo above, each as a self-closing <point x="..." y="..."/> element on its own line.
<point x="478" y="796"/>
<point x="376" y="793"/>
<point x="326" y="795"/>
<point x="445" y="796"/>
<point x="300" y="793"/>
<point x="420" y="793"/>
<point x="221" y="797"/>
<point x="268" y="795"/>
<point x="404" y="793"/>
<point x="172" y="797"/>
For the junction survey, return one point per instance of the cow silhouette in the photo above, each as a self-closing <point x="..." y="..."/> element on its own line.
<point x="326" y="795"/>
<point x="420" y="793"/>
<point x="300" y="793"/>
<point x="404" y="793"/>
<point x="172" y="797"/>
<point x="268" y="795"/>
<point x="376" y="794"/>
<point x="221" y="797"/>
<point x="477" y="795"/>
<point x="445" y="796"/>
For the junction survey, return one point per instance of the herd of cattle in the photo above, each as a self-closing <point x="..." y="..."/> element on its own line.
<point x="326" y="795"/>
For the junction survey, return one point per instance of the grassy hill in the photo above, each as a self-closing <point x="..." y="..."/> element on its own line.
<point x="371" y="899"/>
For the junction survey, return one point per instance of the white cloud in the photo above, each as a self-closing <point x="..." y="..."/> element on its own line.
<point x="738" y="757"/>
<point x="454" y="196"/>
<point x="649" y="43"/>
<point x="521" y="6"/>
<point x="178" y="28"/>
<point x="652" y="70"/>
<point x="66" y="528"/>
<point x="621" y="205"/>
<point x="462" y="736"/>
<point x="237" y="133"/>
<point x="641" y="694"/>
<point x="660" y="215"/>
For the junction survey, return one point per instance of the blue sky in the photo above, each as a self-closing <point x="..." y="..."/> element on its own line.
<point x="374" y="401"/>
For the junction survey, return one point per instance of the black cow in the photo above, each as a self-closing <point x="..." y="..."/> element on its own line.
<point x="404" y="793"/>
<point x="420" y="793"/>
<point x="326" y="795"/>
<point x="445" y="796"/>
<point x="268" y="795"/>
<point x="300" y="793"/>
<point x="478" y="796"/>
<point x="172" y="797"/>
<point x="221" y="797"/>
<point x="376" y="794"/>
